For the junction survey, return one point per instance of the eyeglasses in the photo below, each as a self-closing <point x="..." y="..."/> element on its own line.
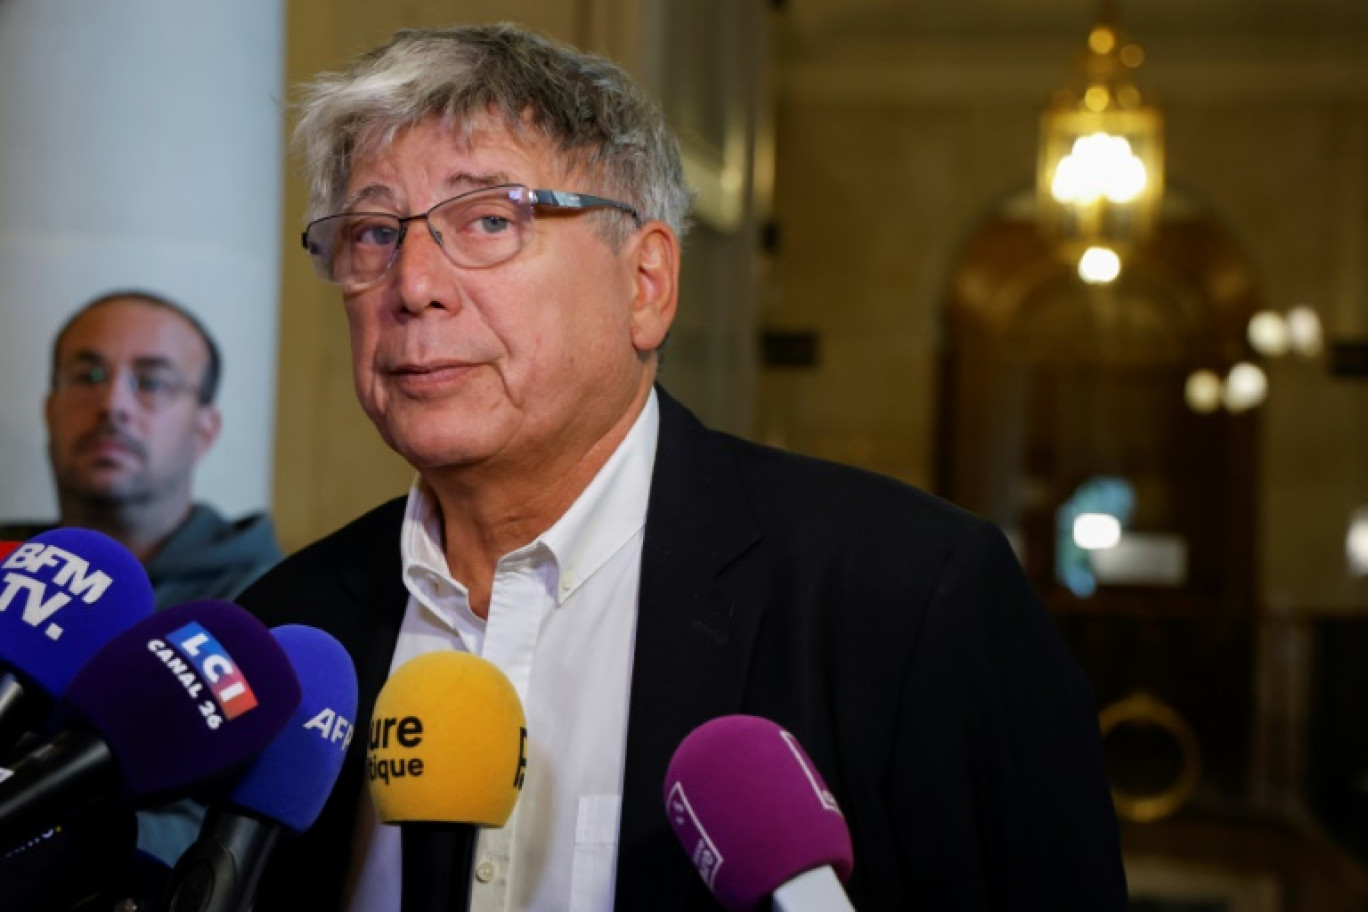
<point x="154" y="387"/>
<point x="478" y="229"/>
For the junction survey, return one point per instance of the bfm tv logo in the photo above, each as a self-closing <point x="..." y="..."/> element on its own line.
<point x="73" y="579"/>
<point x="211" y="663"/>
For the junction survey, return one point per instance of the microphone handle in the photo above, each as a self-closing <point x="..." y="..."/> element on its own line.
<point x="817" y="890"/>
<point x="52" y="783"/>
<point x="220" y="872"/>
<point x="437" y="861"/>
<point x="14" y="713"/>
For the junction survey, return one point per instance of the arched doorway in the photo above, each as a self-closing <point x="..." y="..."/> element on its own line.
<point x="1059" y="395"/>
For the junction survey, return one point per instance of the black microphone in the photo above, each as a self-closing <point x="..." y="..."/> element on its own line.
<point x="71" y="863"/>
<point x="437" y="859"/>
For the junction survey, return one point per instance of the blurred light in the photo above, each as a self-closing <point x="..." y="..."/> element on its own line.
<point x="1304" y="331"/>
<point x="1099" y="165"/>
<point x="1268" y="333"/>
<point x="1096" y="531"/>
<point x="1203" y="391"/>
<point x="1245" y="387"/>
<point x="1356" y="543"/>
<point x="1099" y="265"/>
<point x="1101" y="40"/>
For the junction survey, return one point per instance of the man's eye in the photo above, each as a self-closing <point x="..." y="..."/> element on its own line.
<point x="377" y="233"/>
<point x="89" y="376"/>
<point x="492" y="224"/>
<point x="152" y="383"/>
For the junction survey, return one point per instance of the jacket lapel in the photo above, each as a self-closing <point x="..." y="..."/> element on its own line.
<point x="697" y="614"/>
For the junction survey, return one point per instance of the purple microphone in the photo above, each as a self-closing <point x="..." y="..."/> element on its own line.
<point x="756" y="819"/>
<point x="179" y="699"/>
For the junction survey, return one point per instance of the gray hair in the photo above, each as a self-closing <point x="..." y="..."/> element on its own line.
<point x="586" y="107"/>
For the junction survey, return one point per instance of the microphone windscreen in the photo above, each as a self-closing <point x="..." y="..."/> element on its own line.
<point x="64" y="594"/>
<point x="184" y="696"/>
<point x="289" y="782"/>
<point x="7" y="548"/>
<point x="447" y="742"/>
<point x="751" y="810"/>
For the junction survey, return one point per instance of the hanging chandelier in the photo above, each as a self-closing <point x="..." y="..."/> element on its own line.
<point x="1100" y="173"/>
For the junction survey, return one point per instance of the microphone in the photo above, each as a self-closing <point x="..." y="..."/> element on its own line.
<point x="7" y="548"/>
<point x="447" y="752"/>
<point x="64" y="594"/>
<point x="71" y="863"/>
<point x="756" y="819"/>
<point x="182" y="697"/>
<point x="284" y="789"/>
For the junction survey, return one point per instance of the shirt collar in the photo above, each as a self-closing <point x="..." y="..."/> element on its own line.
<point x="610" y="510"/>
<point x="608" y="513"/>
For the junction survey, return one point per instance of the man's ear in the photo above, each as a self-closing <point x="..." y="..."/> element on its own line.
<point x="208" y="423"/>
<point x="656" y="284"/>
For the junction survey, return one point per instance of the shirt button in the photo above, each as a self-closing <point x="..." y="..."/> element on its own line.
<point x="485" y="871"/>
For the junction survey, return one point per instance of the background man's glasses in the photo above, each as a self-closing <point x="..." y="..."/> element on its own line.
<point x="154" y="388"/>
<point x="477" y="229"/>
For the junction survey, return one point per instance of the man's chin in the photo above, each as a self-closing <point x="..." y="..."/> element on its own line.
<point x="107" y="492"/>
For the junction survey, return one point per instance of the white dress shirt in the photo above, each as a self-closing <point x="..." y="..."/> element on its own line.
<point x="562" y="621"/>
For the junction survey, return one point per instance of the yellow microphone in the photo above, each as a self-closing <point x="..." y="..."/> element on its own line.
<point x="447" y="751"/>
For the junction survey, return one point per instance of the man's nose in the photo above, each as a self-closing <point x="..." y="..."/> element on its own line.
<point x="422" y="269"/>
<point x="116" y="395"/>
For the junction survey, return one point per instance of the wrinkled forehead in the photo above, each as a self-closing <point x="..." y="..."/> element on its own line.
<point x="129" y="331"/>
<point x="469" y="136"/>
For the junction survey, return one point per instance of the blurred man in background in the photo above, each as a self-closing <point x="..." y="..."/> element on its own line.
<point x="130" y="413"/>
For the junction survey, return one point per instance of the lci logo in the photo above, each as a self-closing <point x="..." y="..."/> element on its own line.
<point x="230" y="689"/>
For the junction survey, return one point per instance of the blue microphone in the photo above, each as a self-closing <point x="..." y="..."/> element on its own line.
<point x="64" y="594"/>
<point x="283" y="790"/>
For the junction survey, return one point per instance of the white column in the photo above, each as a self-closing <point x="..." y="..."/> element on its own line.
<point x="140" y="146"/>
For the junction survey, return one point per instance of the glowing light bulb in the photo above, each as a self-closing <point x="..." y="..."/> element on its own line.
<point x="1304" y="331"/>
<point x="1245" y="387"/>
<point x="1268" y="333"/>
<point x="1203" y="391"/>
<point x="1099" y="165"/>
<point x="1099" y="265"/>
<point x="1356" y="543"/>
<point x="1096" y="531"/>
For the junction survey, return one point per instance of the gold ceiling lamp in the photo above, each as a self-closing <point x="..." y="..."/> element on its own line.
<point x="1100" y="174"/>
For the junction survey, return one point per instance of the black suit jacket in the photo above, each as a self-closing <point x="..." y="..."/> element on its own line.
<point x="893" y="634"/>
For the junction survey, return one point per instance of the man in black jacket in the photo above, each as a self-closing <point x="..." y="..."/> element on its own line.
<point x="503" y="217"/>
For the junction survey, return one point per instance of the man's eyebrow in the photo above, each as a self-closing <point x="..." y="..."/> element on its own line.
<point x="155" y="362"/>
<point x="88" y="356"/>
<point x="456" y="183"/>
<point x="367" y="194"/>
<point x="464" y="179"/>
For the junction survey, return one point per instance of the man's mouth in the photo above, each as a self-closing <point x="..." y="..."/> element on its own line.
<point x="109" y="446"/>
